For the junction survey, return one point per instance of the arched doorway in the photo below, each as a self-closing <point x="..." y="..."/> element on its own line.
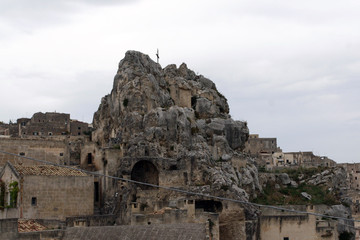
<point x="145" y="171"/>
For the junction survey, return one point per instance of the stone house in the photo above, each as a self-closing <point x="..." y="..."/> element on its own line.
<point x="353" y="175"/>
<point x="283" y="225"/>
<point x="48" y="124"/>
<point x="45" y="192"/>
<point x="300" y="159"/>
<point x="309" y="159"/>
<point x="56" y="149"/>
<point x="4" y="129"/>
<point x="256" y="146"/>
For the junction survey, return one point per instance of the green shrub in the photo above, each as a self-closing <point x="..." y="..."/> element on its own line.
<point x="292" y="195"/>
<point x="13" y="189"/>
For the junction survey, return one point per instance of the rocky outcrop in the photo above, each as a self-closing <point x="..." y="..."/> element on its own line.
<point x="173" y="113"/>
<point x="334" y="179"/>
<point x="170" y="108"/>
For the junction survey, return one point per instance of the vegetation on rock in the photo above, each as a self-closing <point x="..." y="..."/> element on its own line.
<point x="292" y="195"/>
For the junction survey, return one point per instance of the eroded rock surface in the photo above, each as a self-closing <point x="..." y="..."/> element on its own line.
<point x="173" y="113"/>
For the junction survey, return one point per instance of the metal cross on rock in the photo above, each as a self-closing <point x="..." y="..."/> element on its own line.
<point x="157" y="55"/>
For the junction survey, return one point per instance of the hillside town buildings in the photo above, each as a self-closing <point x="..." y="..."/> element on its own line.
<point x="50" y="136"/>
<point x="271" y="156"/>
<point x="163" y="153"/>
<point x="45" y="192"/>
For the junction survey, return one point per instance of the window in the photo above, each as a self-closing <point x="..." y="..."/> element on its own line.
<point x="79" y="128"/>
<point x="22" y="154"/>
<point x="50" y="134"/>
<point x="286" y="238"/>
<point x="33" y="201"/>
<point x="61" y="154"/>
<point x="89" y="158"/>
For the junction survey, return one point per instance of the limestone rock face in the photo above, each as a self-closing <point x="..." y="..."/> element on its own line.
<point x="172" y="113"/>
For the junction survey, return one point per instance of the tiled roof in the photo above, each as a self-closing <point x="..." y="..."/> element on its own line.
<point x="47" y="170"/>
<point x="25" y="225"/>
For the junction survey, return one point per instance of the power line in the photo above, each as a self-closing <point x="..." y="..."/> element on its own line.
<point x="185" y="191"/>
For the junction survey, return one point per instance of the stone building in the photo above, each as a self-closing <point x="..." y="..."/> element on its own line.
<point x="48" y="124"/>
<point x="263" y="149"/>
<point x="45" y="192"/>
<point x="353" y="175"/>
<point x="307" y="159"/>
<point x="255" y="146"/>
<point x="299" y="159"/>
<point x="55" y="149"/>
<point x="283" y="225"/>
<point x="4" y="129"/>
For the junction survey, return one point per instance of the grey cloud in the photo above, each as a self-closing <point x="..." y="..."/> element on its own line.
<point x="28" y="16"/>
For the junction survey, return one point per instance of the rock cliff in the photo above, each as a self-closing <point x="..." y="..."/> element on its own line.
<point x="173" y="113"/>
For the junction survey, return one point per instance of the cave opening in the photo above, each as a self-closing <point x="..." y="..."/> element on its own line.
<point x="209" y="205"/>
<point x="145" y="171"/>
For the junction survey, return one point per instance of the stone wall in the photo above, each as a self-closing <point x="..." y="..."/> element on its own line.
<point x="183" y="231"/>
<point x="43" y="235"/>
<point x="45" y="149"/>
<point x="56" y="149"/>
<point x="46" y="124"/>
<point x="78" y="128"/>
<point x="4" y="129"/>
<point x="91" y="157"/>
<point x="56" y="197"/>
<point x="8" y="228"/>
<point x="9" y="231"/>
<point x="94" y="220"/>
<point x="277" y="224"/>
<point x="353" y="175"/>
<point x="255" y="145"/>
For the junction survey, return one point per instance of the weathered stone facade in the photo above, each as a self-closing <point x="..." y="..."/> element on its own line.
<point x="171" y="127"/>
<point x="167" y="127"/>
<point x="256" y="145"/>
<point x="47" y="192"/>
<point x="45" y="124"/>
<point x="56" y="149"/>
<point x="277" y="224"/>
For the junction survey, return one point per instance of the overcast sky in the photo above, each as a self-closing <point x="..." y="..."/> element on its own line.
<point x="289" y="68"/>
